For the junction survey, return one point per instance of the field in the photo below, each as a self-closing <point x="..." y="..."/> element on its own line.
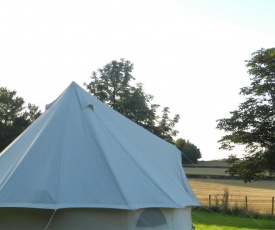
<point x="206" y="171"/>
<point x="259" y="194"/>
<point x="255" y="195"/>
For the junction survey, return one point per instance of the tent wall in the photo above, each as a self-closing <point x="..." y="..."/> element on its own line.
<point x="24" y="218"/>
<point x="96" y="219"/>
<point x="86" y="219"/>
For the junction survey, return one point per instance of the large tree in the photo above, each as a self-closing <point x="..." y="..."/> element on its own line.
<point x="15" y="116"/>
<point x="190" y="152"/>
<point x="113" y="85"/>
<point x="253" y="123"/>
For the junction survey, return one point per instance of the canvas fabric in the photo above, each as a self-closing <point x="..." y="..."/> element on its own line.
<point x="80" y="153"/>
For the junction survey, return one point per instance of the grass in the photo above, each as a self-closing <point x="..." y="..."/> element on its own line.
<point x="259" y="194"/>
<point x="204" y="220"/>
<point x="206" y="171"/>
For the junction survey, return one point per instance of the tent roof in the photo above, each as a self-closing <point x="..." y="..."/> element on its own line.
<point x="82" y="153"/>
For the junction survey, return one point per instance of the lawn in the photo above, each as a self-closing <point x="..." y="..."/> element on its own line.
<point x="204" y="220"/>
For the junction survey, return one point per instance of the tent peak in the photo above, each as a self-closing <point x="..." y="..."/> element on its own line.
<point x="74" y="84"/>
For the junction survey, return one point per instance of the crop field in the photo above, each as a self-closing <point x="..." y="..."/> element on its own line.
<point x="259" y="194"/>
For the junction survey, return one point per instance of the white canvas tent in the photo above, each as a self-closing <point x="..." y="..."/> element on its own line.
<point x="82" y="165"/>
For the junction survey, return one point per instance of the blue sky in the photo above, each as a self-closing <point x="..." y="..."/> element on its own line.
<point x="188" y="54"/>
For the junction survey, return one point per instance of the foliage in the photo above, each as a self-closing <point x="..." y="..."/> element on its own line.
<point x="15" y="117"/>
<point x="165" y="126"/>
<point x="112" y="84"/>
<point x="190" y="152"/>
<point x="253" y="123"/>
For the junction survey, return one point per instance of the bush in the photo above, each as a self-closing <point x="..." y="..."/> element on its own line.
<point x="236" y="210"/>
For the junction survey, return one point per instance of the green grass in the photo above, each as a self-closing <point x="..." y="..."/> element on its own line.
<point x="206" y="171"/>
<point x="204" y="220"/>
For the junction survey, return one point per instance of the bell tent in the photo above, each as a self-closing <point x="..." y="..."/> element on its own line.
<point x="82" y="165"/>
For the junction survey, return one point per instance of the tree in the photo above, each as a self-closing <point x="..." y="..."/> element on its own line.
<point x="14" y="116"/>
<point x="165" y="128"/>
<point x="253" y="123"/>
<point x="112" y="84"/>
<point x="190" y="152"/>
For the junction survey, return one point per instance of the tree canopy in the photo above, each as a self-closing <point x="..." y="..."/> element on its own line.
<point x="253" y="123"/>
<point x="15" y="116"/>
<point x="113" y="84"/>
<point x="190" y="152"/>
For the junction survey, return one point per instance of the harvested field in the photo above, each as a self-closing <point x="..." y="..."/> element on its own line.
<point x="259" y="194"/>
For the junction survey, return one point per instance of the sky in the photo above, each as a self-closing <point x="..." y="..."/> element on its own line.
<point x="189" y="54"/>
